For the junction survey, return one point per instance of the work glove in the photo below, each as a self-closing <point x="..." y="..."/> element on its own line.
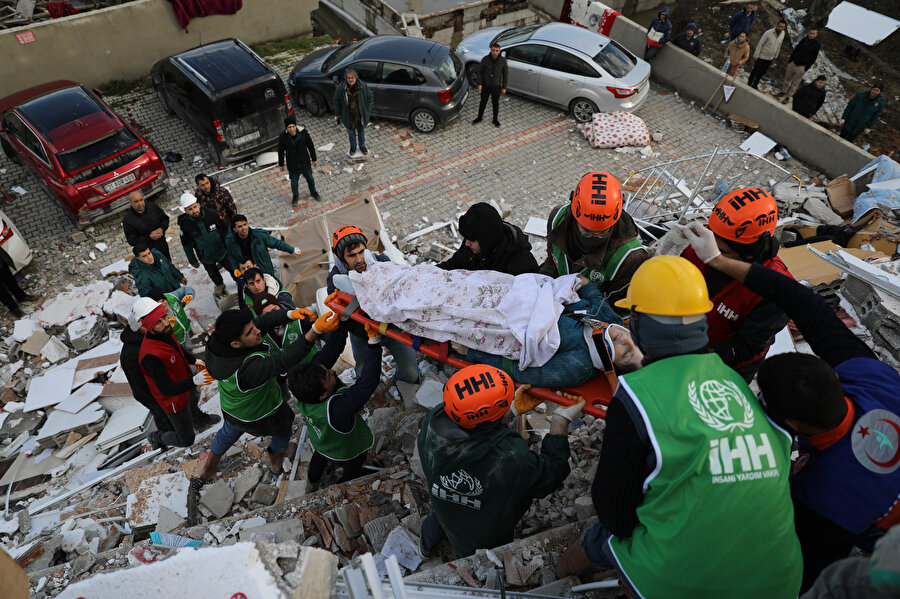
<point x="237" y="272"/>
<point x="884" y="565"/>
<point x="198" y="366"/>
<point x="203" y="378"/>
<point x="326" y="323"/>
<point x="574" y="411"/>
<point x="301" y="313"/>
<point x="702" y="240"/>
<point x="297" y="251"/>
<point x="172" y="321"/>
<point x="331" y="296"/>
<point x="524" y="401"/>
<point x="374" y="334"/>
<point x="187" y="299"/>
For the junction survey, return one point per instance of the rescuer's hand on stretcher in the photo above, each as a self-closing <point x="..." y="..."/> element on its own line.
<point x="301" y="313"/>
<point x="524" y="401"/>
<point x="327" y="323"/>
<point x="374" y="334"/>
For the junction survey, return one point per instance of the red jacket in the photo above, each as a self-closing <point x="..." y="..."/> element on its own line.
<point x="177" y="368"/>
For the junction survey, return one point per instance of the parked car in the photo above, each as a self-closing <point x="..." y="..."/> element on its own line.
<point x="14" y="249"/>
<point x="565" y="66"/>
<point x="227" y="94"/>
<point x="411" y="79"/>
<point x="79" y="150"/>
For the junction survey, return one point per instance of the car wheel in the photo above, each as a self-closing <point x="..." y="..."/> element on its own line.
<point x="10" y="153"/>
<point x="314" y="103"/>
<point x="472" y="74"/>
<point x="214" y="155"/>
<point x="165" y="103"/>
<point x="582" y="110"/>
<point x="423" y="120"/>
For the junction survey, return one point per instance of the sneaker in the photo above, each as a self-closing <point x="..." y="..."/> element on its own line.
<point x="425" y="554"/>
<point x="496" y="123"/>
<point x="155" y="442"/>
<point x="364" y="149"/>
<point x="28" y="297"/>
<point x="476" y="121"/>
<point x="294" y="201"/>
<point x="316" y="197"/>
<point x="350" y="153"/>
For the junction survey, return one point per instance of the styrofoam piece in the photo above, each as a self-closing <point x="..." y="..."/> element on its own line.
<point x="758" y="144"/>
<point x="861" y="24"/>
<point x="783" y="344"/>
<point x="80" y="398"/>
<point x="50" y="388"/>
<point x="59" y="422"/>
<point x="123" y="424"/>
<point x="22" y="329"/>
<point x="536" y="226"/>
<point x="169" y="490"/>
<point x="76" y="303"/>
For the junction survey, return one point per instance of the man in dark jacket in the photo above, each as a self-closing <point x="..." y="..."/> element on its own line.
<point x="493" y="73"/>
<point x="151" y="269"/>
<point x="741" y="21"/>
<point x="255" y="243"/>
<point x="215" y="197"/>
<point x="810" y="97"/>
<point x="862" y="112"/>
<point x="658" y="34"/>
<point x="491" y="244"/>
<point x="146" y="223"/>
<point x="203" y="240"/>
<point x="132" y="337"/>
<point x="480" y="474"/>
<point x="352" y="103"/>
<point x="688" y="41"/>
<point x="297" y="152"/>
<point x="803" y="57"/>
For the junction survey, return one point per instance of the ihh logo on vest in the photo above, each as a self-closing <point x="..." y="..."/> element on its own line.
<point x="876" y="441"/>
<point x="459" y="487"/>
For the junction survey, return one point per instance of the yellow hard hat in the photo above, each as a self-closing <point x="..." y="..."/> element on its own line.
<point x="668" y="286"/>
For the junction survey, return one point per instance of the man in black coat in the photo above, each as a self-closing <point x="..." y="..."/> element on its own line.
<point x="688" y="41"/>
<point x="147" y="223"/>
<point x="492" y="76"/>
<point x="810" y="97"/>
<point x="803" y="57"/>
<point x="491" y="244"/>
<point x="297" y="152"/>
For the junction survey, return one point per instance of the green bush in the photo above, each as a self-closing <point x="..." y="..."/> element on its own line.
<point x="297" y="44"/>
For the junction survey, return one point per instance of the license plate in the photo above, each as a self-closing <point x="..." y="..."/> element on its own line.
<point x="243" y="139"/>
<point x="120" y="182"/>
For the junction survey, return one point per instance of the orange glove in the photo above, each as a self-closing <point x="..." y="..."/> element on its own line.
<point x="237" y="272"/>
<point x="301" y="313"/>
<point x="374" y="334"/>
<point x="524" y="401"/>
<point x="172" y="321"/>
<point x="331" y="297"/>
<point x="187" y="299"/>
<point x="326" y="323"/>
<point x="203" y="378"/>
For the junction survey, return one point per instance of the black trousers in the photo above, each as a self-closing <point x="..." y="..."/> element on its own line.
<point x="848" y="136"/>
<point x="759" y="69"/>
<point x="494" y="95"/>
<point x="160" y="418"/>
<point x="212" y="269"/>
<point x="9" y="288"/>
<point x="822" y="542"/>
<point x="161" y="245"/>
<point x="182" y="434"/>
<point x="352" y="468"/>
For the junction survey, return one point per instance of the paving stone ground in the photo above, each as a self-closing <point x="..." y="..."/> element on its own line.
<point x="531" y="162"/>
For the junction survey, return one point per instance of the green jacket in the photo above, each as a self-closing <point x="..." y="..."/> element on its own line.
<point x="203" y="239"/>
<point x="482" y="483"/>
<point x="260" y="244"/>
<point x="341" y="109"/>
<point x="862" y="112"/>
<point x="162" y="274"/>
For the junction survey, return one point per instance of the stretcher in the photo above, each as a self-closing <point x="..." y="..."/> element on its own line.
<point x="597" y="392"/>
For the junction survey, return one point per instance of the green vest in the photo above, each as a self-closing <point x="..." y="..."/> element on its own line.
<point x="610" y="266"/>
<point x="249" y="405"/>
<point x="182" y="322"/>
<point x="292" y="332"/>
<point x="331" y="443"/>
<point x="717" y="518"/>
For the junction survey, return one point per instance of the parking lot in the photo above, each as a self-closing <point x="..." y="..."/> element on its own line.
<point x="531" y="162"/>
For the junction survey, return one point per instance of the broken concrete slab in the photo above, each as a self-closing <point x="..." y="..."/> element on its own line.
<point x="245" y="482"/>
<point x="218" y="498"/>
<point x="24" y="328"/>
<point x="89" y="332"/>
<point x="118" y="306"/>
<point x="823" y="213"/>
<point x="75" y="303"/>
<point x="54" y="350"/>
<point x="168" y="520"/>
<point x="50" y="388"/>
<point x="264" y="495"/>
<point x="285" y="530"/>
<point x="377" y="530"/>
<point x="407" y="393"/>
<point x="295" y="488"/>
<point x="169" y="490"/>
<point x="380" y="421"/>
<point x="430" y="394"/>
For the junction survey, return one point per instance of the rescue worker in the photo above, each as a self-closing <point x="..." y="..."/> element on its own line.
<point x="842" y="404"/>
<point x="594" y="236"/>
<point x="203" y="240"/>
<point x="247" y="373"/>
<point x="331" y="410"/>
<point x="742" y="325"/>
<point x="151" y="269"/>
<point x="480" y="473"/>
<point x="175" y="303"/>
<point x="255" y="243"/>
<point x="272" y="284"/>
<point x="258" y="283"/>
<point x="282" y="336"/>
<point x="349" y="246"/>
<point x="691" y="490"/>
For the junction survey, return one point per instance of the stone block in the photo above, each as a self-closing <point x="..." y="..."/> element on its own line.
<point x="285" y="530"/>
<point x="245" y="482"/>
<point x="821" y="211"/>
<point x="264" y="495"/>
<point x="377" y="530"/>
<point x="168" y="520"/>
<point x="218" y="499"/>
<point x="315" y="574"/>
<point x="878" y="311"/>
<point x="584" y="507"/>
<point x="88" y="332"/>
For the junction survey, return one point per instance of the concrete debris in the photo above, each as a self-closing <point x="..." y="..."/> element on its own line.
<point x="168" y="520"/>
<point x="169" y="490"/>
<point x="430" y="394"/>
<point x="401" y="544"/>
<point x="264" y="495"/>
<point x="246" y="482"/>
<point x="89" y="332"/>
<point x="218" y="498"/>
<point x="377" y="530"/>
<point x="54" y="350"/>
<point x="820" y="210"/>
<point x="74" y="304"/>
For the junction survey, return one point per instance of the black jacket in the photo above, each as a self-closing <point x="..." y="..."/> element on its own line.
<point x="512" y="256"/>
<point x="139" y="226"/>
<point x="298" y="153"/>
<point x="204" y="243"/>
<point x="805" y="53"/>
<point x="493" y="74"/>
<point x="129" y="358"/>
<point x="808" y="99"/>
<point x="688" y="45"/>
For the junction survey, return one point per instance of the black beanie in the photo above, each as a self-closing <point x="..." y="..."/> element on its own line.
<point x="230" y="324"/>
<point x="290" y="121"/>
<point x="263" y="300"/>
<point x="482" y="223"/>
<point x="155" y="293"/>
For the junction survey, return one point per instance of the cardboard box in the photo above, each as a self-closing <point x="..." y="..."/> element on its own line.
<point x="841" y="195"/>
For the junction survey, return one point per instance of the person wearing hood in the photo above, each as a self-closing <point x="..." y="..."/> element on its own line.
<point x="215" y="197"/>
<point x="862" y="112"/>
<point x="688" y="41"/>
<point x="297" y="153"/>
<point x="593" y="235"/>
<point x="810" y="97"/>
<point x="766" y="52"/>
<point x="349" y="246"/>
<point x="203" y="240"/>
<point x="481" y="475"/>
<point x="737" y="53"/>
<point x="490" y="243"/>
<point x="658" y="34"/>
<point x="691" y="490"/>
<point x="741" y="21"/>
<point x="743" y="325"/>
<point x="248" y="374"/>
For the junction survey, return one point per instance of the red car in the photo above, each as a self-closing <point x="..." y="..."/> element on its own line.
<point x="78" y="149"/>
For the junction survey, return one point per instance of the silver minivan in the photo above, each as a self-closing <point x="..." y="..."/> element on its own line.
<point x="564" y="65"/>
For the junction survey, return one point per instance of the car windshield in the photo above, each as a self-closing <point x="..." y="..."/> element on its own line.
<point x="339" y="56"/>
<point x="449" y="69"/>
<point x="515" y="36"/>
<point x="97" y="151"/>
<point x="615" y="60"/>
<point x="59" y="108"/>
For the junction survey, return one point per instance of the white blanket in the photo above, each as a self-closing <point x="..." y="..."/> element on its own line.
<point x="514" y="317"/>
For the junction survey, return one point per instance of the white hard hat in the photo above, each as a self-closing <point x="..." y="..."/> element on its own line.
<point x="142" y="307"/>
<point x="187" y="198"/>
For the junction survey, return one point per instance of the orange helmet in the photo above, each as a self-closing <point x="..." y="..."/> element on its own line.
<point x="597" y="201"/>
<point x="346" y="236"/>
<point x="477" y="394"/>
<point x="744" y="215"/>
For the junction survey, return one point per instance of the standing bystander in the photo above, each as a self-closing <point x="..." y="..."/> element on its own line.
<point x="862" y="112"/>
<point x="11" y="293"/>
<point x="215" y="197"/>
<point x="352" y="103"/>
<point x="297" y="153"/>
<point x="658" y="34"/>
<point x="146" y="223"/>
<point x="737" y="53"/>
<point x="809" y="98"/>
<point x="688" y="41"/>
<point x="741" y="21"/>
<point x="493" y="74"/>
<point x="766" y="52"/>
<point x="803" y="57"/>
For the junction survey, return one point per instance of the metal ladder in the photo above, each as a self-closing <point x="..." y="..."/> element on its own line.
<point x="411" y="27"/>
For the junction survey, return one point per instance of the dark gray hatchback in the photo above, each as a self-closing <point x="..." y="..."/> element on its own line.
<point x="411" y="79"/>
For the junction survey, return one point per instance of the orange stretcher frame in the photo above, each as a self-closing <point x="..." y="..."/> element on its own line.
<point x="597" y="392"/>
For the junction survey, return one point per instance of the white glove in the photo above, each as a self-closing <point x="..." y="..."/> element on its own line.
<point x="198" y="366"/>
<point x="203" y="378"/>
<point x="702" y="240"/>
<point x="572" y="412"/>
<point x="297" y="251"/>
